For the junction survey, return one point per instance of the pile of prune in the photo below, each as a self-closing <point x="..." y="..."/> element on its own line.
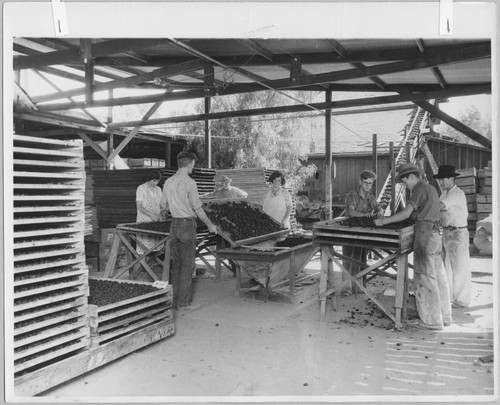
<point x="361" y="222"/>
<point x="240" y="220"/>
<point x="105" y="292"/>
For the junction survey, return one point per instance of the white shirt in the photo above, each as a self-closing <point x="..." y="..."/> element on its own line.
<point x="455" y="211"/>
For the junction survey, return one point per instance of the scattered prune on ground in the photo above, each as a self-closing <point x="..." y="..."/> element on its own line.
<point x="105" y="292"/>
<point x="240" y="219"/>
<point x="369" y="223"/>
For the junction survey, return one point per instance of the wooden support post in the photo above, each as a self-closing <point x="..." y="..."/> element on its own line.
<point x="110" y="265"/>
<point x="328" y="156"/>
<point x="220" y="245"/>
<point x="323" y="282"/>
<point x="401" y="288"/>
<point x="393" y="177"/>
<point x="292" y="273"/>
<point x="165" y="275"/>
<point x="209" y="91"/>
<point x="374" y="160"/>
<point x="93" y="325"/>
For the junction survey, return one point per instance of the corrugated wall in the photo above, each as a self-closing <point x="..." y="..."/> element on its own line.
<point x="346" y="168"/>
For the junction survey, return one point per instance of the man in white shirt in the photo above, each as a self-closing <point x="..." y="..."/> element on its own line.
<point x="453" y="219"/>
<point x="180" y="197"/>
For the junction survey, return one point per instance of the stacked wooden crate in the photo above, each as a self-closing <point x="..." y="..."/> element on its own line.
<point x="98" y="249"/>
<point x="484" y="199"/>
<point x="467" y="181"/>
<point x="90" y="208"/>
<point x="115" y="190"/>
<point x="50" y="277"/>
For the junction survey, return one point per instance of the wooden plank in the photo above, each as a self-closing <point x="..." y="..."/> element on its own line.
<point x="114" y="306"/>
<point x="74" y="196"/>
<point x="131" y="328"/>
<point x="49" y="288"/>
<point x="134" y="318"/>
<point x="484" y="207"/>
<point x="142" y="305"/>
<point x="52" y="321"/>
<point x="469" y="189"/>
<point x="484" y="198"/>
<point x="80" y="292"/>
<point x="83" y="343"/>
<point x="56" y="342"/>
<point x="48" y="186"/>
<point x="51" y="333"/>
<point x="75" y="228"/>
<point x="49" y="208"/>
<point x="63" y="163"/>
<point x="47" y="265"/>
<point x="46" y="152"/>
<point x="46" y="242"/>
<point x="334" y="236"/>
<point x="71" y="143"/>
<point x="48" y="253"/>
<point x="50" y="276"/>
<point x="52" y="375"/>
<point x="36" y="312"/>
<point x="48" y="220"/>
<point x="55" y="175"/>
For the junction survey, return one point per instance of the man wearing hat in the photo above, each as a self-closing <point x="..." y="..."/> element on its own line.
<point x="432" y="293"/>
<point x="453" y="219"/>
<point x="360" y="203"/>
<point x="224" y="189"/>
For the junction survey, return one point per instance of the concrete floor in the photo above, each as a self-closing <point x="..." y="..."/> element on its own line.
<point x="251" y="350"/>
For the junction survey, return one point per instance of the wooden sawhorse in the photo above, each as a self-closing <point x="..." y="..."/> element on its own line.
<point x="123" y="234"/>
<point x="396" y="258"/>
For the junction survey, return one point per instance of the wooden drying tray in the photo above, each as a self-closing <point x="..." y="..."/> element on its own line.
<point x="332" y="232"/>
<point x="248" y="241"/>
<point x="133" y="227"/>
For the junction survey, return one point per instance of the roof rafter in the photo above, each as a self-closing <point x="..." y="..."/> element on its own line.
<point x="194" y="64"/>
<point x="468" y="90"/>
<point x="72" y="55"/>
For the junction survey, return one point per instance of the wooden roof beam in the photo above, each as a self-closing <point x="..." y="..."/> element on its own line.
<point x="466" y="90"/>
<point x="459" y="126"/>
<point x="307" y="58"/>
<point x="435" y="70"/>
<point x="128" y="81"/>
<point x="72" y="55"/>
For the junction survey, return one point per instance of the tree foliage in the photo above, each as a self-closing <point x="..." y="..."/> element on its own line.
<point x="473" y="119"/>
<point x="249" y="142"/>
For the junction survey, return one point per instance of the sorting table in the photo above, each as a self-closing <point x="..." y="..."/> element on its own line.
<point x="396" y="243"/>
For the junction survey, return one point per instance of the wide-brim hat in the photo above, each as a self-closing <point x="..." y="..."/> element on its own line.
<point x="446" y="172"/>
<point x="406" y="169"/>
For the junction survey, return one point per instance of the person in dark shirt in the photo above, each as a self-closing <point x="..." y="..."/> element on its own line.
<point x="432" y="293"/>
<point x="359" y="203"/>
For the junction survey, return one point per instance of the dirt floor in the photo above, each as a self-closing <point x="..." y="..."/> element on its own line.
<point x="249" y="349"/>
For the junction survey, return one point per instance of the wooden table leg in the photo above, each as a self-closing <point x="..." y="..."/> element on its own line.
<point x="238" y="281"/>
<point x="220" y="245"/>
<point x="399" y="304"/>
<point x="165" y="275"/>
<point x="323" y="282"/>
<point x="110" y="265"/>
<point x="292" y="274"/>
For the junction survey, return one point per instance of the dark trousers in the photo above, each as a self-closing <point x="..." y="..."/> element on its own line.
<point x="183" y="251"/>
<point x="359" y="254"/>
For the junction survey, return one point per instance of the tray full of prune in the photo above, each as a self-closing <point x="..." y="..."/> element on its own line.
<point x="361" y="222"/>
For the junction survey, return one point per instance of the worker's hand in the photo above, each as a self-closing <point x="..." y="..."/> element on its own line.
<point x="212" y="229"/>
<point x="155" y="217"/>
<point x="370" y="215"/>
<point x="380" y="214"/>
<point x="379" y="222"/>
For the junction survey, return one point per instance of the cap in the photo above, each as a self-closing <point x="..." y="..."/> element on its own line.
<point x="406" y="169"/>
